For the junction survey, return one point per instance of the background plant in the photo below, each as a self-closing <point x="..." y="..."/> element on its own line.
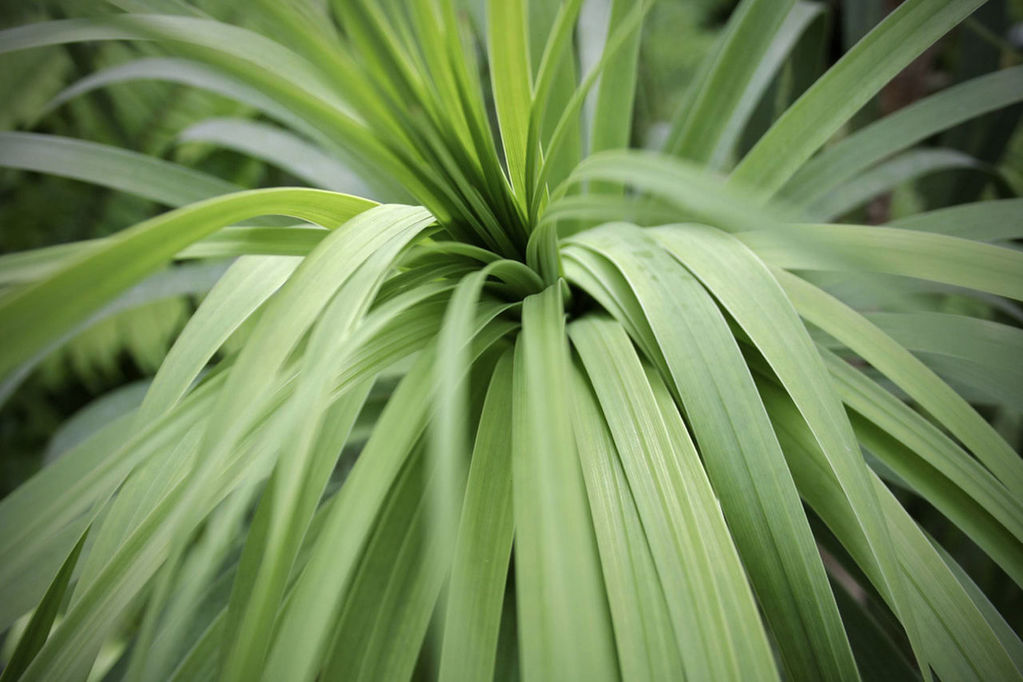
<point x="570" y="410"/>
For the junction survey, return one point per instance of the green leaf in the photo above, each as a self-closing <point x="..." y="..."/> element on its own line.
<point x="854" y="248"/>
<point x="740" y="451"/>
<point x="717" y="628"/>
<point x="40" y="521"/>
<point x="878" y="654"/>
<point x="612" y="115"/>
<point x="1008" y="637"/>
<point x="38" y="629"/>
<point x="931" y="449"/>
<point x="901" y="130"/>
<point x="482" y="554"/>
<point x="258" y="62"/>
<point x="71" y="649"/>
<point x="88" y="282"/>
<point x="564" y="624"/>
<point x="958" y="641"/>
<point x="266" y="241"/>
<point x="831" y="101"/>
<point x="786" y="39"/>
<point x="180" y="595"/>
<point x="885" y="176"/>
<point x="354" y="257"/>
<point x="25" y="266"/>
<point x="118" y="317"/>
<point x="595" y="209"/>
<point x="981" y="354"/>
<point x="303" y="629"/>
<point x="726" y="76"/>
<point x="745" y="287"/>
<point x="449" y="450"/>
<point x="568" y="122"/>
<point x="200" y="663"/>
<point x="986" y="221"/>
<point x="898" y="364"/>
<point x="511" y="80"/>
<point x="272" y="546"/>
<point x="120" y="169"/>
<point x="643" y="630"/>
<point x="551" y="70"/>
<point x="365" y="244"/>
<point x="564" y="77"/>
<point x="239" y="42"/>
<point x="246" y="285"/>
<point x="686" y="186"/>
<point x="990" y="535"/>
<point x="180" y="71"/>
<point x="692" y="560"/>
<point x="228" y="242"/>
<point x="88" y="421"/>
<point x="388" y="608"/>
<point x="386" y="613"/>
<point x="228" y="456"/>
<point x="280" y="148"/>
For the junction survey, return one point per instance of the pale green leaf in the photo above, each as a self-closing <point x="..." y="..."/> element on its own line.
<point x="120" y="169"/>
<point x="133" y="253"/>
<point x="511" y="79"/>
<point x="709" y="601"/>
<point x="901" y="130"/>
<point x="959" y="643"/>
<point x="280" y="148"/>
<point x="642" y="625"/>
<point x="983" y="221"/>
<point x="482" y="554"/>
<point x="564" y="624"/>
<point x="725" y="79"/>
<point x="898" y="364"/>
<point x="848" y="85"/>
<point x="935" y="257"/>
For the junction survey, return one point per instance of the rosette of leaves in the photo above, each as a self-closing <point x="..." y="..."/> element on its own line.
<point x="569" y="411"/>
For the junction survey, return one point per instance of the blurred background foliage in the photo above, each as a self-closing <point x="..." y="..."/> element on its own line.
<point x="103" y="371"/>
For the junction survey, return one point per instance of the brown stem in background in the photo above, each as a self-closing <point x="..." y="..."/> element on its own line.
<point x="916" y="81"/>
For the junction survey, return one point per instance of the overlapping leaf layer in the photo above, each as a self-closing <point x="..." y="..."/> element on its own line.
<point x="546" y="407"/>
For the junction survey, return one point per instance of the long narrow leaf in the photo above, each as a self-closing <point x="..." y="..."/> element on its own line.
<point x="935" y="257"/>
<point x="856" y="332"/>
<point x="83" y="286"/>
<point x="901" y="130"/>
<point x="643" y="629"/>
<point x="563" y="614"/>
<point x="483" y="549"/>
<point x="846" y="87"/>
<point x="709" y="600"/>
<point x="120" y="169"/>
<point x="747" y="37"/>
